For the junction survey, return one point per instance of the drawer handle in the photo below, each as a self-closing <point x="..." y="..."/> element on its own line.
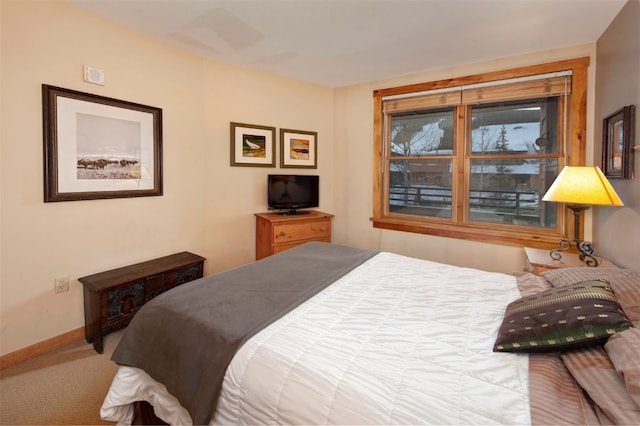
<point x="323" y="228"/>
<point x="283" y="234"/>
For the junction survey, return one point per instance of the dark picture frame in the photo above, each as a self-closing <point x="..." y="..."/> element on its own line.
<point x="298" y="149"/>
<point x="252" y="145"/>
<point x="97" y="147"/>
<point x="617" y="143"/>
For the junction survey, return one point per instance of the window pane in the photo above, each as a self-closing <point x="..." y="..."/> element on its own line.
<point x="510" y="191"/>
<point x="422" y="133"/>
<point x="420" y="187"/>
<point x="522" y="127"/>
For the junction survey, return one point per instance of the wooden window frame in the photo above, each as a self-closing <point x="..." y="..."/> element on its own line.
<point x="574" y="154"/>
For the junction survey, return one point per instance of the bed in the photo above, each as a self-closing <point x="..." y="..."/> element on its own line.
<point x="329" y="334"/>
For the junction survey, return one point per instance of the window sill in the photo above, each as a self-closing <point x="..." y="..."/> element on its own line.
<point x="467" y="233"/>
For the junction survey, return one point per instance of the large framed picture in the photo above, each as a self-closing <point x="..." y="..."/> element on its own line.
<point x="617" y="143"/>
<point x="298" y="149"/>
<point x="97" y="147"/>
<point x="252" y="145"/>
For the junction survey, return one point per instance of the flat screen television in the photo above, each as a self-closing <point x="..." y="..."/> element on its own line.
<point x="289" y="194"/>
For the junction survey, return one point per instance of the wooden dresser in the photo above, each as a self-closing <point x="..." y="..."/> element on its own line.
<point x="112" y="298"/>
<point x="276" y="233"/>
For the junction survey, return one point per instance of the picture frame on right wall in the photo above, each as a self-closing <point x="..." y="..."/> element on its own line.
<point x="298" y="149"/>
<point x="617" y="143"/>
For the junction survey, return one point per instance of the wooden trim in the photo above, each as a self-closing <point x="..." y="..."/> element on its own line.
<point x="462" y="130"/>
<point x="577" y="139"/>
<point x="378" y="175"/>
<point x="41" y="348"/>
<point x="488" y="76"/>
<point x="578" y="126"/>
<point x="467" y="233"/>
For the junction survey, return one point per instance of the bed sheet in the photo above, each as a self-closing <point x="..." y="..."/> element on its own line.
<point x="396" y="341"/>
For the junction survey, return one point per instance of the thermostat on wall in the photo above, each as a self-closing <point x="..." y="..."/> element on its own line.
<point x="94" y="75"/>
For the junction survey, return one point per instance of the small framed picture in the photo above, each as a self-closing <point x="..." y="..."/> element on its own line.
<point x="298" y="149"/>
<point x="253" y="146"/>
<point x="97" y="147"/>
<point x="617" y="143"/>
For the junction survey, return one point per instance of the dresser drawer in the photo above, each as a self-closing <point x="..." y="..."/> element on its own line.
<point x="276" y="232"/>
<point x="277" y="248"/>
<point x="289" y="232"/>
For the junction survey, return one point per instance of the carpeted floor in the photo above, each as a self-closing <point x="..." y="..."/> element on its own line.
<point x="64" y="387"/>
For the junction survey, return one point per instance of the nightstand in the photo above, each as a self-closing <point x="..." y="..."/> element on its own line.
<point x="539" y="261"/>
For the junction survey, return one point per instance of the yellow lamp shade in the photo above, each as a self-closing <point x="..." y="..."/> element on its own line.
<point x="582" y="185"/>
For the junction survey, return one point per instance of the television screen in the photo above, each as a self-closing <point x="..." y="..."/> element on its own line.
<point x="290" y="193"/>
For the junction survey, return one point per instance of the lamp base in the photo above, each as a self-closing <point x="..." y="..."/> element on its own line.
<point x="585" y="249"/>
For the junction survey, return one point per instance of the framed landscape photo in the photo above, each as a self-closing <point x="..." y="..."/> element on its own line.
<point x="97" y="147"/>
<point x="617" y="143"/>
<point x="298" y="149"/>
<point x="252" y="145"/>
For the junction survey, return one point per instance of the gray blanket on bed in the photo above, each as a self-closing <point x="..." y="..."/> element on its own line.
<point x="186" y="337"/>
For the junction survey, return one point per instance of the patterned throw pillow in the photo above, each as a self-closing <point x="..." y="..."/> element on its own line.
<point x="558" y="319"/>
<point x="624" y="282"/>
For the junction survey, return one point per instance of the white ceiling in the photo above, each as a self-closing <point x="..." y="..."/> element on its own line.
<point x="342" y="42"/>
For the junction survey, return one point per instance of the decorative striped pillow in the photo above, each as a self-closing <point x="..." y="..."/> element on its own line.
<point x="558" y="319"/>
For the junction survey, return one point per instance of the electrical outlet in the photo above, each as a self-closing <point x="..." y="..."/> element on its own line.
<point x="61" y="284"/>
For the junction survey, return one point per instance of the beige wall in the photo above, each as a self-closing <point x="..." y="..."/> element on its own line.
<point x="618" y="85"/>
<point x="207" y="205"/>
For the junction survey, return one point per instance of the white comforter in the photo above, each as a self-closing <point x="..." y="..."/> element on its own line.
<point x="396" y="341"/>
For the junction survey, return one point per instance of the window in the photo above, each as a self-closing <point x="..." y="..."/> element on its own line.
<point x="472" y="157"/>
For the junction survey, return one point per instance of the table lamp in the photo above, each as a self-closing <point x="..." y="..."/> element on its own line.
<point x="580" y="187"/>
